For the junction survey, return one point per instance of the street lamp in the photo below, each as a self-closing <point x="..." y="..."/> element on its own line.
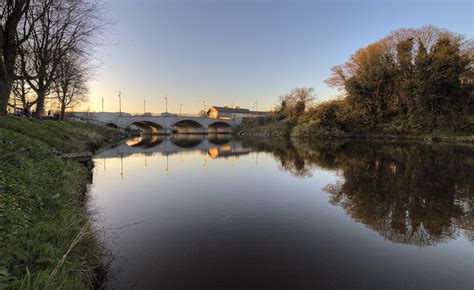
<point x="167" y="169"/>
<point x="180" y="109"/>
<point x="166" y="103"/>
<point x="120" y="101"/>
<point x="144" y="106"/>
<point x="102" y="104"/>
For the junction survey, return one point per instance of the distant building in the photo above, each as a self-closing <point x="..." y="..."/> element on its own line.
<point x="467" y="78"/>
<point x="230" y="113"/>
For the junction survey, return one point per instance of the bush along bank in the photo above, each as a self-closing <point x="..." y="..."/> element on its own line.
<point x="46" y="241"/>
<point x="314" y="130"/>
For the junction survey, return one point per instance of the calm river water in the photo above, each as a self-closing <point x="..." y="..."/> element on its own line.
<point x="194" y="212"/>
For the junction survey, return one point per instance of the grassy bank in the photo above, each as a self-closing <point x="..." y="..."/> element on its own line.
<point x="41" y="205"/>
<point x="312" y="130"/>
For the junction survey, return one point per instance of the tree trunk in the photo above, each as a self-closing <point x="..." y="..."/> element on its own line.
<point x="40" y="104"/>
<point x="12" y="13"/>
<point x="63" y="109"/>
<point x="6" y="85"/>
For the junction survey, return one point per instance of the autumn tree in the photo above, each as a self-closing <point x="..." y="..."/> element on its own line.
<point x="447" y="63"/>
<point x="371" y="87"/>
<point x="412" y="73"/>
<point x="403" y="102"/>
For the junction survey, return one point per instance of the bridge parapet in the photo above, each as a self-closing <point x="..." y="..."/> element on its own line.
<point x="161" y="124"/>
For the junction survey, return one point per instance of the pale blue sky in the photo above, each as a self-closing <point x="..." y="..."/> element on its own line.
<point x="240" y="52"/>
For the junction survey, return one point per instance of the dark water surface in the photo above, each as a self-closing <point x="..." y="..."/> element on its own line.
<point x="194" y="212"/>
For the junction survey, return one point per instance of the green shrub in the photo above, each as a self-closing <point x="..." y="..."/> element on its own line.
<point x="313" y="129"/>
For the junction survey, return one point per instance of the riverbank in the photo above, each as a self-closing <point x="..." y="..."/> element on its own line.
<point x="313" y="132"/>
<point x="45" y="238"/>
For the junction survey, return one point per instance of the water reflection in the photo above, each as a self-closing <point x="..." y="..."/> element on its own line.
<point x="409" y="193"/>
<point x="212" y="146"/>
<point x="145" y="141"/>
<point x="221" y="213"/>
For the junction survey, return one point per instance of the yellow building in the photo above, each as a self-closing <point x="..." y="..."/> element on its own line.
<point x="231" y="113"/>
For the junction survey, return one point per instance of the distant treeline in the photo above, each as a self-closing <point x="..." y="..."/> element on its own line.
<point x="407" y="82"/>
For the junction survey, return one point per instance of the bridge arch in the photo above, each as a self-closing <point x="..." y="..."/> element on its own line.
<point x="219" y="128"/>
<point x="187" y="127"/>
<point x="156" y="128"/>
<point x="147" y="127"/>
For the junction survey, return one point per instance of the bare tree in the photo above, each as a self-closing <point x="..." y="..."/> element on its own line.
<point x="294" y="103"/>
<point x="63" y="27"/>
<point x="12" y="14"/>
<point x="304" y="95"/>
<point x="70" y="83"/>
<point x="21" y="92"/>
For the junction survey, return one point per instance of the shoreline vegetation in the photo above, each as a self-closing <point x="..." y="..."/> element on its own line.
<point x="263" y="128"/>
<point x="42" y="209"/>
<point x="414" y="84"/>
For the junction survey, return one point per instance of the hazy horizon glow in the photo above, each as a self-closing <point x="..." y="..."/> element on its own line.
<point x="242" y="52"/>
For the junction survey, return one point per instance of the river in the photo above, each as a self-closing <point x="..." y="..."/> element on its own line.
<point x="196" y="212"/>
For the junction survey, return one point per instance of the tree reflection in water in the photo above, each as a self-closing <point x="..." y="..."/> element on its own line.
<point x="410" y="193"/>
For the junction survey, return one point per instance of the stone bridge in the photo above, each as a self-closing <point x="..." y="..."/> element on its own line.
<point x="161" y="124"/>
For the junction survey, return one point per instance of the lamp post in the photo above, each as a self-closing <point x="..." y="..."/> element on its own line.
<point x="120" y="101"/>
<point x="180" y="109"/>
<point x="121" y="167"/>
<point x="144" y="106"/>
<point x="166" y="103"/>
<point x="102" y="104"/>
<point x="205" y="162"/>
<point x="167" y="169"/>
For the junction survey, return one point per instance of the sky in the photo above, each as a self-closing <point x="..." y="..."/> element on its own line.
<point x="245" y="53"/>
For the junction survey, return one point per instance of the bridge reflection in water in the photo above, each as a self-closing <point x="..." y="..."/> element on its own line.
<point x="211" y="146"/>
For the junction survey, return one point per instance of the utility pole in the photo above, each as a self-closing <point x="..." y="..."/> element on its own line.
<point x="167" y="169"/>
<point x="205" y="162"/>
<point x="121" y="167"/>
<point x="166" y="103"/>
<point x="102" y="104"/>
<point x="144" y="106"/>
<point x="120" y="101"/>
